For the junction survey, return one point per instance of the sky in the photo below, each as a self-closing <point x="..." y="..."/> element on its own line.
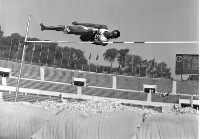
<point x="137" y="20"/>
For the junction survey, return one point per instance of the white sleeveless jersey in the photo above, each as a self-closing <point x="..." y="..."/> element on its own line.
<point x="100" y="36"/>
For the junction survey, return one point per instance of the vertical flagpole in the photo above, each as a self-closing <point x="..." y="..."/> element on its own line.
<point x="97" y="65"/>
<point x="96" y="68"/>
<point x="69" y="61"/>
<point x="125" y="62"/>
<point x="54" y="58"/>
<point x="61" y="57"/>
<point x="147" y="69"/>
<point x="47" y="55"/>
<point x="132" y="64"/>
<point x="23" y="56"/>
<point x="89" y="61"/>
<point x="146" y="72"/>
<point x="18" y="49"/>
<point x="161" y="68"/>
<point x="10" y="49"/>
<point x="33" y="50"/>
<point x="40" y="54"/>
<point x="153" y="66"/>
<point x="89" y="66"/>
<point x="139" y="68"/>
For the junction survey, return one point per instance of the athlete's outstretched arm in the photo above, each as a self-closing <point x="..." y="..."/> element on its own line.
<point x="98" y="26"/>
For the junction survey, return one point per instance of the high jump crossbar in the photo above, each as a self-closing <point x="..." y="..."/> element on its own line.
<point x="131" y="42"/>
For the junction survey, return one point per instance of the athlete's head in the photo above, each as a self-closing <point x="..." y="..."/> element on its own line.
<point x="116" y="34"/>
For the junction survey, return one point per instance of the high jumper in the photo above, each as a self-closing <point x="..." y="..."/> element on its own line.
<point x="88" y="32"/>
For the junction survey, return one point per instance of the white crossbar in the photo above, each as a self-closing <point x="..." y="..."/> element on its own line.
<point x="112" y="42"/>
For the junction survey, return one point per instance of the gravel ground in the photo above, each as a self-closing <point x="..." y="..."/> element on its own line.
<point x="91" y="107"/>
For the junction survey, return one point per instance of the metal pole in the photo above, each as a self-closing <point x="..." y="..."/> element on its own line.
<point x="23" y="56"/>
<point x="139" y="68"/>
<point x="153" y="66"/>
<point x="89" y="66"/>
<point x="47" y="55"/>
<point x="33" y="50"/>
<point x="54" y="58"/>
<point x="69" y="62"/>
<point x="96" y="68"/>
<point x="132" y="64"/>
<point x="61" y="58"/>
<point x="40" y="54"/>
<point x="18" y="50"/>
<point x="10" y="49"/>
<point x="146" y="71"/>
<point x="161" y="69"/>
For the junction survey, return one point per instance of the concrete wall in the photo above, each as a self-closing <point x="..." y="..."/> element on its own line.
<point x="100" y="79"/>
<point x="136" y="83"/>
<point x="187" y="87"/>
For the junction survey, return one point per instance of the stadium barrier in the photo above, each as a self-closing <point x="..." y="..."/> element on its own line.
<point x="84" y="97"/>
<point x="101" y="80"/>
<point x="64" y="90"/>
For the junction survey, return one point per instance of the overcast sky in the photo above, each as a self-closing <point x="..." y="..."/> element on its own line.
<point x="137" y="20"/>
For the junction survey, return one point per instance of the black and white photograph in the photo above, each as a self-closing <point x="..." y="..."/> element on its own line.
<point x="91" y="69"/>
